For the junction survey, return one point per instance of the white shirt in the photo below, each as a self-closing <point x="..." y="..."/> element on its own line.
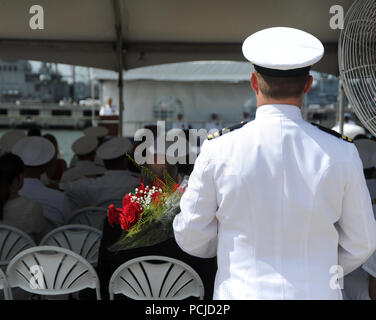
<point x="82" y="168"/>
<point x="51" y="200"/>
<point x="279" y="202"/>
<point x="180" y="125"/>
<point x="213" y="126"/>
<point x="25" y="214"/>
<point x="113" y="185"/>
<point x="108" y="110"/>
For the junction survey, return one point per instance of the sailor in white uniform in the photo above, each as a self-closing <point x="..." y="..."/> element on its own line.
<point x="108" y="109"/>
<point x="112" y="186"/>
<point x="9" y="139"/>
<point x="213" y="125"/>
<point x="36" y="153"/>
<point x="280" y="202"/>
<point x="84" y="148"/>
<point x="99" y="133"/>
<point x="180" y="123"/>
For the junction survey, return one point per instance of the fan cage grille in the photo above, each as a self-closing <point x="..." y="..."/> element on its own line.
<point x="357" y="61"/>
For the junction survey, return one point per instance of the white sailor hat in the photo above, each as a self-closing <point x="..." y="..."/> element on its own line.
<point x="114" y="148"/>
<point x="9" y="139"/>
<point x="282" y="51"/>
<point x="85" y="145"/>
<point x="98" y="132"/>
<point x="367" y="150"/>
<point x="34" y="151"/>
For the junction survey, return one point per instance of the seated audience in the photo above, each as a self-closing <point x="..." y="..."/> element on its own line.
<point x="84" y="148"/>
<point x="112" y="186"/>
<point x="108" y="261"/>
<point x="58" y="165"/>
<point x="9" y="139"/>
<point x="15" y="210"/>
<point x="37" y="153"/>
<point x="100" y="134"/>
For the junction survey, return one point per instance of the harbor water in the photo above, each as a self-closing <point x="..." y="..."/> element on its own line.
<point x="64" y="137"/>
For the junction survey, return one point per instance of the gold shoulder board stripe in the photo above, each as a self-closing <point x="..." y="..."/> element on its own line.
<point x="226" y="130"/>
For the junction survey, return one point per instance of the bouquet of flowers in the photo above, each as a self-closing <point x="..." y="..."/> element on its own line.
<point x="146" y="215"/>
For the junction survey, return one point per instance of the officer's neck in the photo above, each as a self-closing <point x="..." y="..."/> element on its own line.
<point x="261" y="101"/>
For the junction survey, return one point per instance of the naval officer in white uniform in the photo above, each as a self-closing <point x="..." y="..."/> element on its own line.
<point x="84" y="148"/>
<point x="37" y="153"/>
<point x="110" y="188"/>
<point x="280" y="202"/>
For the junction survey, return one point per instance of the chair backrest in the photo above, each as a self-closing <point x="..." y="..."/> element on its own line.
<point x="50" y="270"/>
<point x="81" y="239"/>
<point x="91" y="216"/>
<point x="12" y="241"/>
<point x="156" y="278"/>
<point x="4" y="284"/>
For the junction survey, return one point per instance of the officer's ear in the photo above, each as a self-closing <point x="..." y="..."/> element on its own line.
<point x="254" y="83"/>
<point x="308" y="84"/>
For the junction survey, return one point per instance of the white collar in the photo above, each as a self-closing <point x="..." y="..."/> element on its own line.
<point x="280" y="110"/>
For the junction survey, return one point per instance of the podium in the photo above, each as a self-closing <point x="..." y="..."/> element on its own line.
<point x="111" y="123"/>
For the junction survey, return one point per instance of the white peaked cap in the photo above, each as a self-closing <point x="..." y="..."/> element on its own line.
<point x="366" y="149"/>
<point x="97" y="132"/>
<point x="114" y="148"/>
<point x="282" y="48"/>
<point x="85" y="145"/>
<point x="34" y="151"/>
<point x="10" y="138"/>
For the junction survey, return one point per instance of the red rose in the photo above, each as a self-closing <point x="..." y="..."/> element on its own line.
<point x="130" y="215"/>
<point x="126" y="200"/>
<point x="113" y="215"/>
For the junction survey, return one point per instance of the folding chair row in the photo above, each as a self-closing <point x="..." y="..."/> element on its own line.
<point x="82" y="239"/>
<point x="51" y="271"/>
<point x="91" y="216"/>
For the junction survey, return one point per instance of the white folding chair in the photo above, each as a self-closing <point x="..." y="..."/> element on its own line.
<point x="4" y="284"/>
<point x="51" y="271"/>
<point x="81" y="239"/>
<point x="12" y="241"/>
<point x="156" y="278"/>
<point x="91" y="216"/>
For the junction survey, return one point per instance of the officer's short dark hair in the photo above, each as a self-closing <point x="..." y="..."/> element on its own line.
<point x="281" y="87"/>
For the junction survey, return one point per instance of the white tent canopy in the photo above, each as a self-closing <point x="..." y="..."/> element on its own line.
<point x="193" y="71"/>
<point x="125" y="34"/>
<point x="87" y="32"/>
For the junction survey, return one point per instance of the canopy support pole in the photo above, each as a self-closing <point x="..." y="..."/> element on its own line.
<point x="341" y="106"/>
<point x="120" y="61"/>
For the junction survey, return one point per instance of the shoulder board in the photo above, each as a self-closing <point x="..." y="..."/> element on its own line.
<point x="226" y="130"/>
<point x="332" y="132"/>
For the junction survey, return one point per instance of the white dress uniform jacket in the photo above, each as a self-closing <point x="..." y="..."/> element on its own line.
<point x="82" y="169"/>
<point x="279" y="202"/>
<point x="111" y="188"/>
<point x="51" y="200"/>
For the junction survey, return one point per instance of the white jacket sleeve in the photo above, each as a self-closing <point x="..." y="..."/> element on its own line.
<point x="357" y="225"/>
<point x="195" y="227"/>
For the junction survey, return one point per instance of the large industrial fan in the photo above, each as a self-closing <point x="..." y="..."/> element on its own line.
<point x="357" y="61"/>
